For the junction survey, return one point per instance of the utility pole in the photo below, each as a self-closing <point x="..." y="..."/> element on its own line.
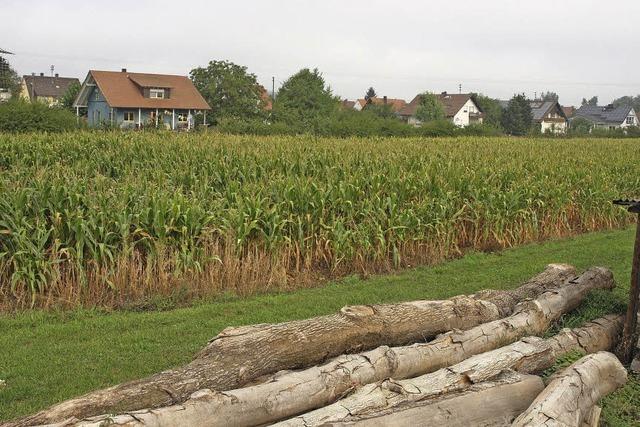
<point x="273" y="88"/>
<point x="460" y="88"/>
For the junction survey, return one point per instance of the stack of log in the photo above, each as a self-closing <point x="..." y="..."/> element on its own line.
<point x="469" y="360"/>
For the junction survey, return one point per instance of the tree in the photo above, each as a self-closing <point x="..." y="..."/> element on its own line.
<point x="592" y="101"/>
<point x="381" y="110"/>
<point x="517" y="118"/>
<point x="304" y="98"/>
<point x="491" y="109"/>
<point x="630" y="101"/>
<point x="9" y="78"/>
<point x="549" y="96"/>
<point x="229" y="89"/>
<point x="70" y="96"/>
<point x="580" y="126"/>
<point x="371" y="93"/>
<point x="430" y="108"/>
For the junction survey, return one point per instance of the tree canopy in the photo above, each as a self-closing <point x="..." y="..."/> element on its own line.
<point x="9" y="78"/>
<point x="371" y="93"/>
<point x="491" y="109"/>
<point x="591" y="101"/>
<point x="430" y="108"/>
<point x="549" y="96"/>
<point x="304" y="97"/>
<point x="230" y="90"/>
<point x="631" y="101"/>
<point x="70" y="95"/>
<point x="517" y="118"/>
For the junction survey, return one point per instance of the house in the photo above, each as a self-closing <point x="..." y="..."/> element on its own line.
<point x="348" y="105"/>
<point x="460" y="109"/>
<point x="549" y="115"/>
<point x="5" y="93"/>
<point x="395" y="103"/>
<point x="47" y="89"/>
<point x="608" y="117"/>
<point x="129" y="100"/>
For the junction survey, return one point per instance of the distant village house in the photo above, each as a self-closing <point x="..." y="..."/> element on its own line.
<point x="460" y="109"/>
<point x="46" y="89"/>
<point x="135" y="100"/>
<point x="608" y="117"/>
<point x="550" y="116"/>
<point x="395" y="104"/>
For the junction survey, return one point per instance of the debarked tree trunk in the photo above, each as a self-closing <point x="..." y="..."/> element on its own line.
<point x="570" y="396"/>
<point x="528" y="355"/>
<point x="240" y="355"/>
<point x="293" y="393"/>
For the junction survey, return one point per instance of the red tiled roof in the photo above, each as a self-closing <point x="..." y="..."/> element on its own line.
<point x="123" y="90"/>
<point x="452" y="104"/>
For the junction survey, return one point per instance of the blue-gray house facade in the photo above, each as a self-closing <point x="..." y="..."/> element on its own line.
<point x="138" y="100"/>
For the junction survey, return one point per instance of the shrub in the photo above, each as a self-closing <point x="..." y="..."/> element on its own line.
<point x="21" y="116"/>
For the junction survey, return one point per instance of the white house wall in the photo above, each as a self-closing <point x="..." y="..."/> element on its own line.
<point x="461" y="119"/>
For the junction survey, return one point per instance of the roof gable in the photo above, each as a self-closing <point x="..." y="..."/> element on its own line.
<point x="452" y="104"/>
<point x="125" y="90"/>
<point x="48" y="86"/>
<point x="608" y="114"/>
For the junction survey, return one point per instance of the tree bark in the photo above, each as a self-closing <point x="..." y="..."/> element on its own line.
<point x="296" y="392"/>
<point x="569" y="398"/>
<point x="528" y="355"/>
<point x="240" y="355"/>
<point x="509" y="395"/>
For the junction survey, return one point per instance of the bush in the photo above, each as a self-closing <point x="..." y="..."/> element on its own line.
<point x="21" y="116"/>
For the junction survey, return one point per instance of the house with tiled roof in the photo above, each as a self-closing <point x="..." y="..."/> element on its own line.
<point x="608" y="117"/>
<point x="461" y="109"/>
<point x="549" y="115"/>
<point x="47" y="89"/>
<point x="134" y="100"/>
<point x="396" y="104"/>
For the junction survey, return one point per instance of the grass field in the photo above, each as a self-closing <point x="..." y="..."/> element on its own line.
<point x="135" y="219"/>
<point x="46" y="357"/>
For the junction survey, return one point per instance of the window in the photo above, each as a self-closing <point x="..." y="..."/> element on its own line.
<point x="182" y="117"/>
<point x="96" y="96"/>
<point x="156" y="93"/>
<point x="630" y="120"/>
<point x="128" y="116"/>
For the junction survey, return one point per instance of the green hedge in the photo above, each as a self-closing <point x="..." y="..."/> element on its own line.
<point x="20" y="116"/>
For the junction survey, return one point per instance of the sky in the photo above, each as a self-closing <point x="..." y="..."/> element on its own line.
<point x="577" y="48"/>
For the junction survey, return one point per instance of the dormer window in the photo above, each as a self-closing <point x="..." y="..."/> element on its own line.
<point x="156" y="93"/>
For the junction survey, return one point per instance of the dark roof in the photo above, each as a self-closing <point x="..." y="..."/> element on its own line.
<point x="122" y="89"/>
<point x="608" y="114"/>
<point x="569" y="111"/>
<point x="540" y="109"/>
<point x="452" y="104"/>
<point x="48" y="86"/>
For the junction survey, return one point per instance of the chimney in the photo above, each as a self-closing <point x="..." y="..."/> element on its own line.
<point x="384" y="100"/>
<point x="41" y="74"/>
<point x="444" y="93"/>
<point x="33" y="74"/>
<point x="124" y="70"/>
<point x="57" y="75"/>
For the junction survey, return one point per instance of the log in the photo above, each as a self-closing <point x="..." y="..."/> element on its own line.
<point x="593" y="417"/>
<point x="528" y="355"/>
<point x="571" y="395"/>
<point x="240" y="355"/>
<point x="293" y="393"/>
<point x="490" y="403"/>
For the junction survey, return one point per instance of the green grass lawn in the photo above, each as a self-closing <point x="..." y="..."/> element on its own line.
<point x="49" y="357"/>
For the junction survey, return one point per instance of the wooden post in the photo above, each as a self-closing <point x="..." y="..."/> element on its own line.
<point x="204" y="122"/>
<point x="173" y="119"/>
<point x="77" y="114"/>
<point x="630" y="333"/>
<point x="139" y="118"/>
<point x="188" y="119"/>
<point x="156" y="117"/>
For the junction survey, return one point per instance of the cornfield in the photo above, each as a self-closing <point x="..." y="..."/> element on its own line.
<point x="123" y="219"/>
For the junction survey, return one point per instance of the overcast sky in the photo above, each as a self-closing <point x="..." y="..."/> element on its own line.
<point x="577" y="48"/>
